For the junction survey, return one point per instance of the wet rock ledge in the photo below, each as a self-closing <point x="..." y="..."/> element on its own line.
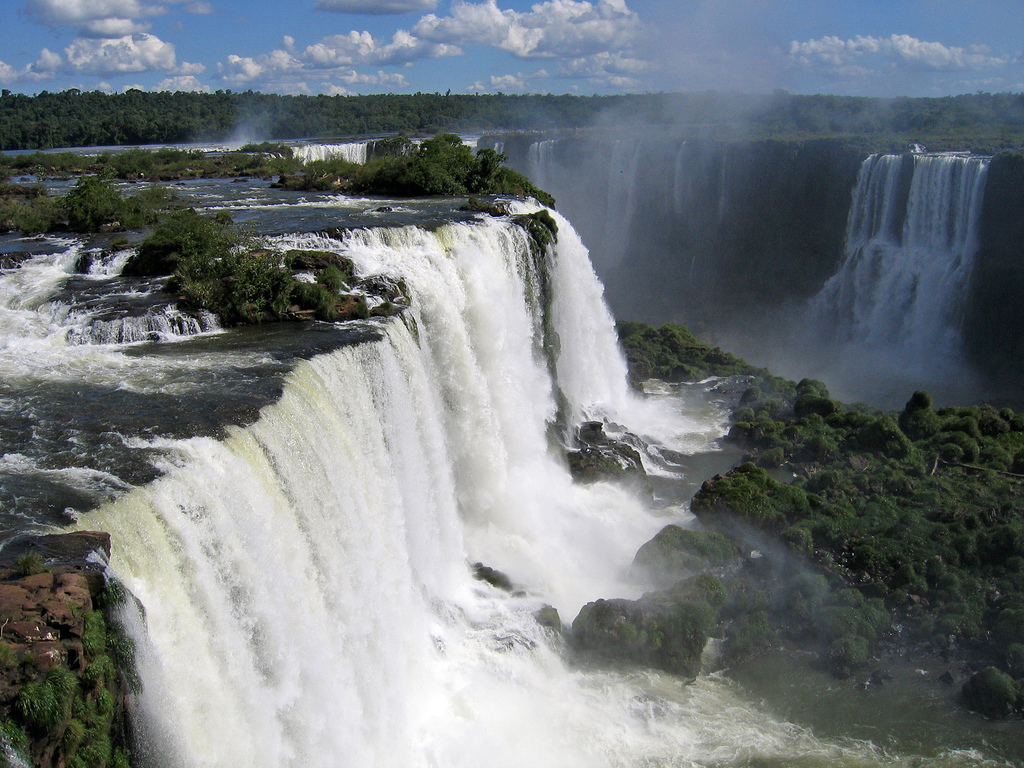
<point x="66" y="667"/>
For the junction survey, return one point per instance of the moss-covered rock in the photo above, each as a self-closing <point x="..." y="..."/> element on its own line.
<point x="991" y="692"/>
<point x="677" y="552"/>
<point x="599" y="457"/>
<point x="666" y="630"/>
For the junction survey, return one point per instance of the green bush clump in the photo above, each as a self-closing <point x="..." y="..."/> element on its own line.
<point x="45" y="704"/>
<point x="752" y="495"/>
<point x="186" y="237"/>
<point x="541" y="227"/>
<point x="30" y="564"/>
<point x="849" y="651"/>
<point x="94" y="203"/>
<point x="676" y="551"/>
<point x="442" y="165"/>
<point x="32" y="213"/>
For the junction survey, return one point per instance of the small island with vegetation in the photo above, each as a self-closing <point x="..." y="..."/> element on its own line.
<point x="216" y="266"/>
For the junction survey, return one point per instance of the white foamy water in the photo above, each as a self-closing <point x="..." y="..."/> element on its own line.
<point x="307" y="579"/>
<point x="353" y="152"/>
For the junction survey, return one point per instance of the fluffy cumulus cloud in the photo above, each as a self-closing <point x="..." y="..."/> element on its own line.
<point x="44" y="68"/>
<point x="517" y="82"/>
<point x="862" y="55"/>
<point x="131" y="53"/>
<point x="376" y="6"/>
<point x="362" y="48"/>
<point x="596" y="38"/>
<point x="95" y="18"/>
<point x="182" y="83"/>
<point x="553" y="29"/>
<point x="287" y="69"/>
<point x="616" y="69"/>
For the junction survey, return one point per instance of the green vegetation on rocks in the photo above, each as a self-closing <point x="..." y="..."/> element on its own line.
<point x="216" y="266"/>
<point x="442" y="165"/>
<point x="66" y="665"/>
<point x="853" y="521"/>
<point x="667" y="629"/>
<point x="94" y="204"/>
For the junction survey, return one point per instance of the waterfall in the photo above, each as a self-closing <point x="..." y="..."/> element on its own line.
<point x="307" y="578"/>
<point x="310" y="571"/>
<point x="353" y="152"/>
<point x="911" y="240"/>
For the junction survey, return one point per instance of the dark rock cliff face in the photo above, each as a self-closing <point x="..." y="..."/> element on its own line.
<point x="994" y="327"/>
<point x="65" y="668"/>
<point x="699" y="231"/>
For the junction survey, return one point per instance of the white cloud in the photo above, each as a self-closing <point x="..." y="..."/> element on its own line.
<point x="555" y="28"/>
<point x="201" y="9"/>
<point x="861" y="54"/>
<point x="362" y="48"/>
<point x="112" y="28"/>
<point x="48" y="61"/>
<point x="131" y="53"/>
<point x="95" y="18"/>
<point x="570" y="30"/>
<point x="190" y="68"/>
<point x="43" y="69"/>
<point x="517" y="82"/>
<point x="376" y="6"/>
<point x="182" y="83"/>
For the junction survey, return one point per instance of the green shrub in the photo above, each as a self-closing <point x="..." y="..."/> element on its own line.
<point x="187" y="238"/>
<point x="92" y="203"/>
<point x="30" y="564"/>
<point x="44" y="704"/>
<point x="958" y="446"/>
<point x="332" y="278"/>
<point x="849" y="651"/>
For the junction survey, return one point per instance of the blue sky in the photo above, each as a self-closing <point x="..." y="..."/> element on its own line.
<point x="854" y="47"/>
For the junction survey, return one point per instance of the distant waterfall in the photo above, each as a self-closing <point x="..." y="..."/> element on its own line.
<point x="911" y="241"/>
<point x="353" y="152"/>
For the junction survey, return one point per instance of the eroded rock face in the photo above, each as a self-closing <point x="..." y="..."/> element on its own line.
<point x="60" y="691"/>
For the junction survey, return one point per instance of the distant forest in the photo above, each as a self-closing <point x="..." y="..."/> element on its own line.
<point x="981" y="122"/>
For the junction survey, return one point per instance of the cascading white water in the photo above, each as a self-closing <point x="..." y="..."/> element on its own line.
<point x="164" y="324"/>
<point x="306" y="580"/>
<point x="353" y="152"/>
<point x="909" y="253"/>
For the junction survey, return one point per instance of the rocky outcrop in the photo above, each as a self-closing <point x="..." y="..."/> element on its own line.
<point x="65" y="668"/>
<point x="666" y="629"/>
<point x="991" y="692"/>
<point x="599" y="457"/>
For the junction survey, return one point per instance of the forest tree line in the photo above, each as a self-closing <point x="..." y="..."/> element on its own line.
<point x="983" y="122"/>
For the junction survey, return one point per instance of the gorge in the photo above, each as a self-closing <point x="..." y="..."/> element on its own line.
<point x="878" y="272"/>
<point x="299" y="509"/>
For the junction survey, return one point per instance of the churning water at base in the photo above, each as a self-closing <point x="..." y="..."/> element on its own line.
<point x="307" y="578"/>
